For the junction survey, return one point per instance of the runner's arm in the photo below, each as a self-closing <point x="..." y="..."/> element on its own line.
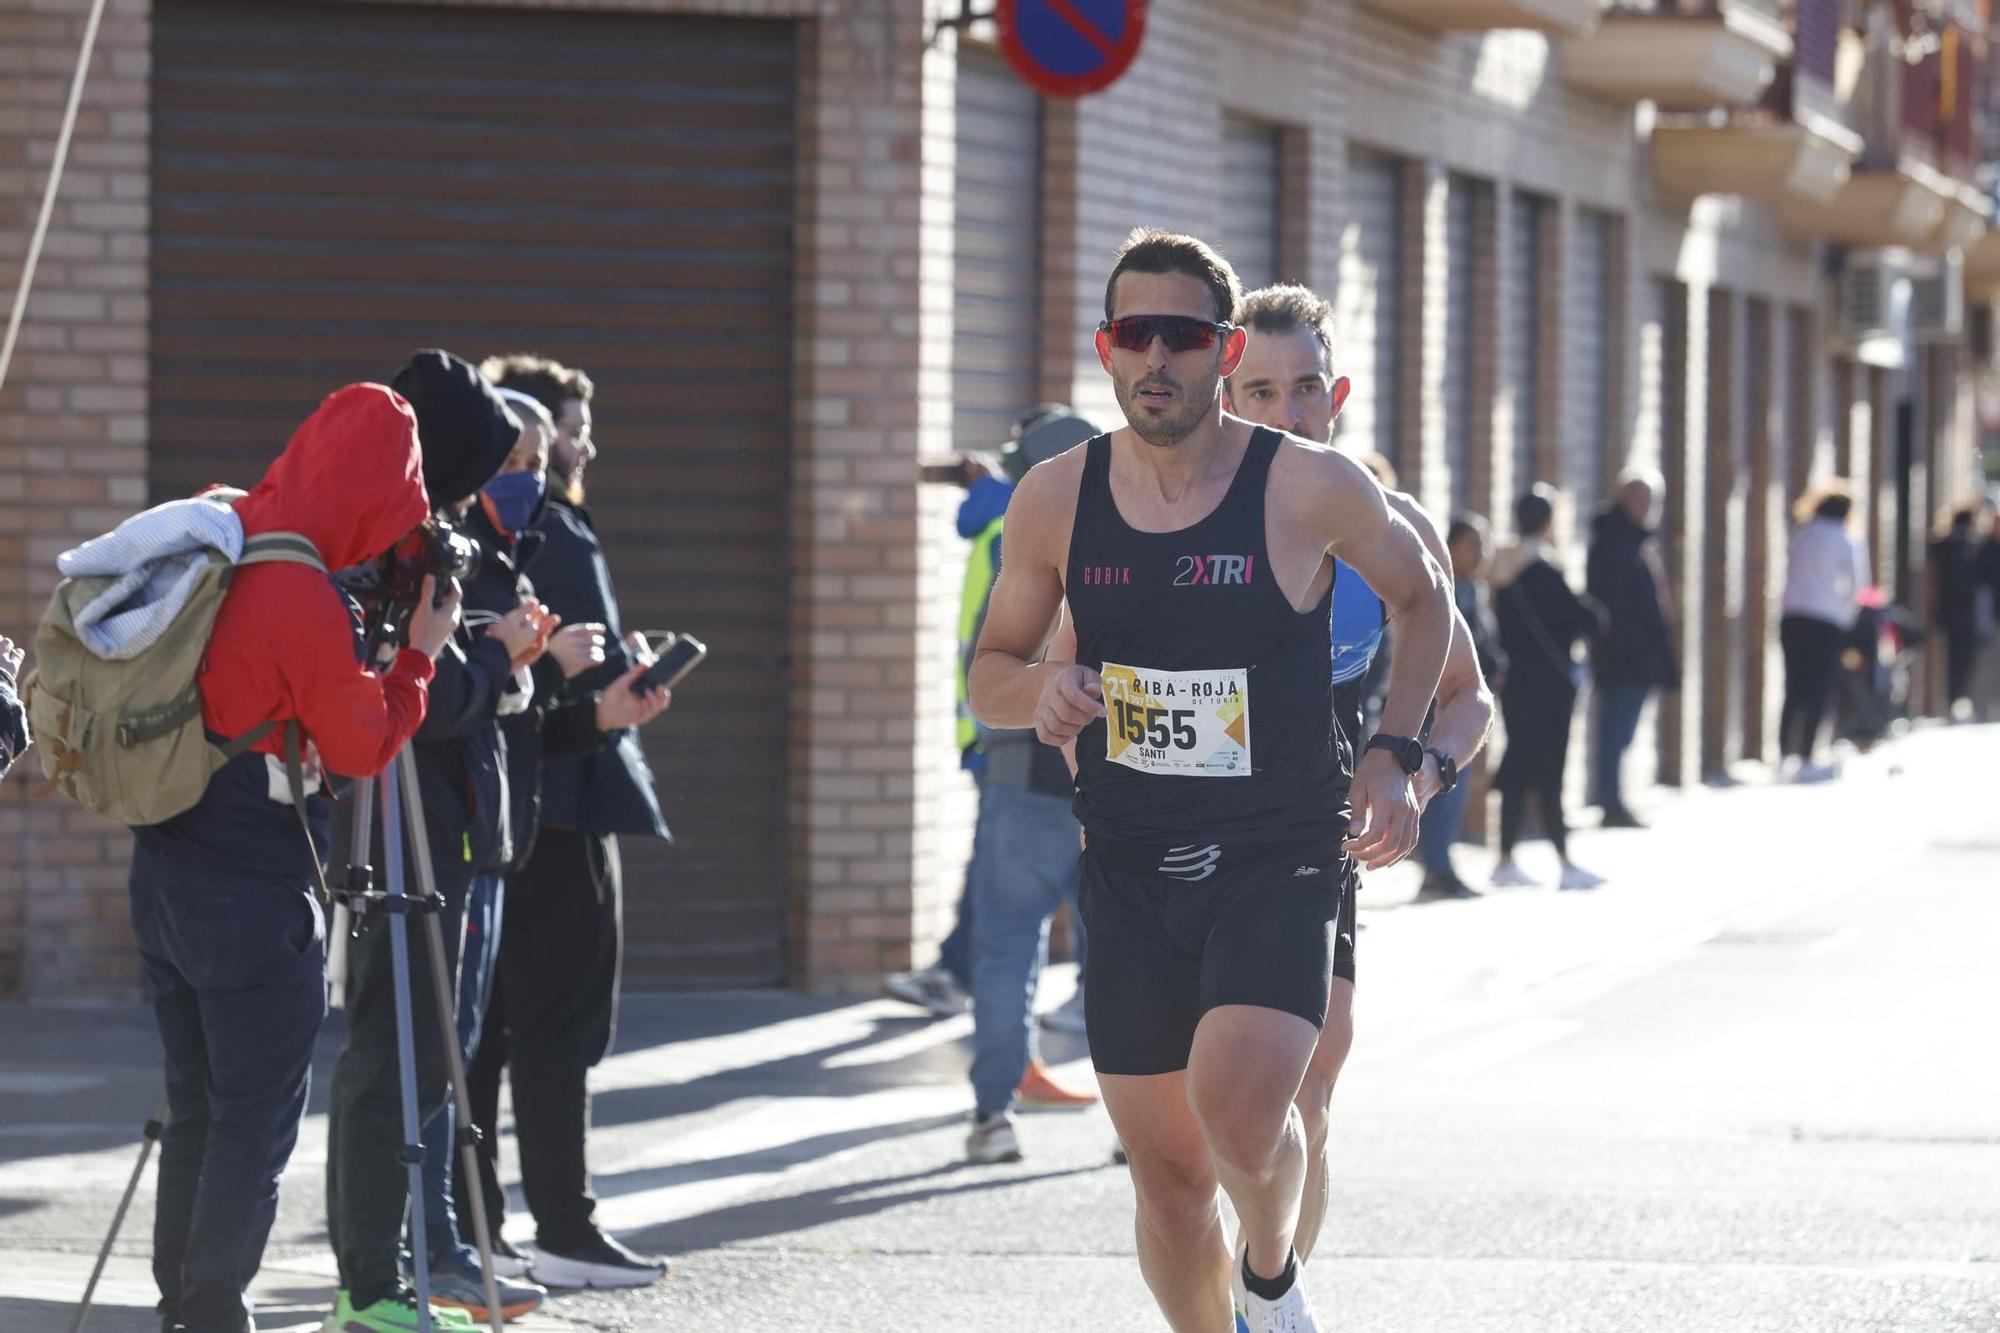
<point x="1464" y="703"/>
<point x="1386" y="551"/>
<point x="1010" y="683"/>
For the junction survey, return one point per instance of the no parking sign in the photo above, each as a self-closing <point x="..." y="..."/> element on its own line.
<point x="1067" y="48"/>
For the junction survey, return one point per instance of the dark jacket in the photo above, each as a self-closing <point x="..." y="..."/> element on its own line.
<point x="1626" y="578"/>
<point x="612" y="790"/>
<point x="1471" y="601"/>
<point x="1540" y="621"/>
<point x="550" y="726"/>
<point x="284" y="645"/>
<point x="13" y="727"/>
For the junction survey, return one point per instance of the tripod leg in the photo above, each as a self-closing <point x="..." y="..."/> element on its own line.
<point x="448" y="1033"/>
<point x="399" y="956"/>
<point x="153" y="1128"/>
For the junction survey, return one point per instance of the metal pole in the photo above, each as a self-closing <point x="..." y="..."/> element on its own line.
<point x="399" y="956"/>
<point x="153" y="1128"/>
<point x="441" y="987"/>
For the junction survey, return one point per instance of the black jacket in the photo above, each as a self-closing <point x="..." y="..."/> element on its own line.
<point x="552" y="725"/>
<point x="612" y="790"/>
<point x="1636" y="647"/>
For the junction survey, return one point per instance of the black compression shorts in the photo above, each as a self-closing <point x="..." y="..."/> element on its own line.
<point x="1176" y="932"/>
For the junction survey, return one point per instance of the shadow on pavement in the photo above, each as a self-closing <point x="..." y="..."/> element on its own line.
<point x="778" y="1156"/>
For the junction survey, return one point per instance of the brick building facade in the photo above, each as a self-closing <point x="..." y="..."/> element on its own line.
<point x="1516" y="235"/>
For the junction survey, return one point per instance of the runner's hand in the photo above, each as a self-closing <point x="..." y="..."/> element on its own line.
<point x="1071" y="698"/>
<point x="1386" y="813"/>
<point x="1428" y="782"/>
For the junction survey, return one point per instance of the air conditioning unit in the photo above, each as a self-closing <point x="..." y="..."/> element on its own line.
<point x="1864" y="304"/>
<point x="1937" y="301"/>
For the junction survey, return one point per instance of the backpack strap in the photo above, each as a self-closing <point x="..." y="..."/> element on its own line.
<point x="295" y="777"/>
<point x="287" y="548"/>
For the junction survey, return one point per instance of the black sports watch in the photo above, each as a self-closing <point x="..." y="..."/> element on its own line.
<point x="1408" y="750"/>
<point x="1447" y="769"/>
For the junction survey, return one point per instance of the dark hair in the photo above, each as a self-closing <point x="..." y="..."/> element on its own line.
<point x="1535" y="510"/>
<point x="1465" y="525"/>
<point x="1285" y="307"/>
<point x="548" y="382"/>
<point x="1836" y="507"/>
<point x="1149" y="251"/>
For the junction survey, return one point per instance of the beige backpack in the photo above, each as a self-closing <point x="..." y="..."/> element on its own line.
<point x="124" y="739"/>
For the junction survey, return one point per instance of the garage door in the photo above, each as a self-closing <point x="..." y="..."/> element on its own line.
<point x="1587" y="367"/>
<point x="614" y="191"/>
<point x="1249" y="222"/>
<point x="996" y="250"/>
<point x="1463" y="198"/>
<point x="1521" y="313"/>
<point x="1368" y="305"/>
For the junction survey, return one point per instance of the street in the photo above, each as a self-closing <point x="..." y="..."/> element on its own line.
<point x="1748" y="1085"/>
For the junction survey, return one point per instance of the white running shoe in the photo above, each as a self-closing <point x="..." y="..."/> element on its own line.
<point x="1508" y="875"/>
<point x="1066" y="1017"/>
<point x="934" y="988"/>
<point x="1576" y="877"/>
<point x="1290" y="1313"/>
<point x="992" y="1141"/>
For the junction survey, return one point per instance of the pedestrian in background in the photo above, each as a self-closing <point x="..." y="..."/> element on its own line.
<point x="1825" y="571"/>
<point x="1634" y="656"/>
<point x="1540" y="620"/>
<point x="1961" y="602"/>
<point x="13" y="718"/>
<point x="1466" y="540"/>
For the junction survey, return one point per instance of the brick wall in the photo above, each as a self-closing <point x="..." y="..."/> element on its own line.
<point x="72" y="436"/>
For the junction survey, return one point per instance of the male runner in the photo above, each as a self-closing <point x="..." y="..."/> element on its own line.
<point x="1285" y="380"/>
<point x="1196" y="555"/>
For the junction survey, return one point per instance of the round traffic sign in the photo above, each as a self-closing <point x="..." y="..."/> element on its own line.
<point x="1068" y="48"/>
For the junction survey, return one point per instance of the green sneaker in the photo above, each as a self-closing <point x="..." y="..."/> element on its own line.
<point x="392" y="1314"/>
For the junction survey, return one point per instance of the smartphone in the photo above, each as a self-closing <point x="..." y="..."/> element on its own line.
<point x="680" y="657"/>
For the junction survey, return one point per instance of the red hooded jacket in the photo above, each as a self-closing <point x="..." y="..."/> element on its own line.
<point x="351" y="481"/>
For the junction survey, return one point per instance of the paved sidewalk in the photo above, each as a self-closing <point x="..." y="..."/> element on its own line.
<point x="808" y="1153"/>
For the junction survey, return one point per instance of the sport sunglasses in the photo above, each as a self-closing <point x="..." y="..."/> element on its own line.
<point x="1181" y="333"/>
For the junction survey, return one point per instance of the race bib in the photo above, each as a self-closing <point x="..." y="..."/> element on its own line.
<point x="1192" y="724"/>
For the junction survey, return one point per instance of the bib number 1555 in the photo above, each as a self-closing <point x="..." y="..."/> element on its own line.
<point x="1159" y="728"/>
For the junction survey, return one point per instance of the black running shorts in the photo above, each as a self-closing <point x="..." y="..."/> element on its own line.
<point x="1175" y="932"/>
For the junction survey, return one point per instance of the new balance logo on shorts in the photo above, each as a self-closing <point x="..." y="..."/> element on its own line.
<point x="1191" y="864"/>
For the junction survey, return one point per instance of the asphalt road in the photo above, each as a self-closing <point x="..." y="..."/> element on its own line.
<point x="1749" y="1085"/>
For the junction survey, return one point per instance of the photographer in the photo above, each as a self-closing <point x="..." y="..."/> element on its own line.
<point x="532" y="718"/>
<point x="231" y="942"/>
<point x="558" y="992"/>
<point x="467" y="432"/>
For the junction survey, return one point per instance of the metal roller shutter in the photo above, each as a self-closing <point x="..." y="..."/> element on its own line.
<point x="612" y="190"/>
<point x="997" y="251"/>
<point x="1249" y="225"/>
<point x="1367" y="310"/>
<point x="1522" y="314"/>
<point x="1461" y="259"/>
<point x="1588" y="329"/>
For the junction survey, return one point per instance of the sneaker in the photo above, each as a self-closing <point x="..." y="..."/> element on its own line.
<point x="1039" y="1089"/>
<point x="1576" y="877"/>
<point x="1068" y="1017"/>
<point x="1290" y="1313"/>
<point x="456" y="1284"/>
<point x="1508" y="875"/>
<point x="507" y="1261"/>
<point x="598" y="1263"/>
<point x="934" y="989"/>
<point x="1816" y="773"/>
<point x="1619" y="817"/>
<point x="1441" y="888"/>
<point x="391" y="1314"/>
<point x="992" y="1140"/>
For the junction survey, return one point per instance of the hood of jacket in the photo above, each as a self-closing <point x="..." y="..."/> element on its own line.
<point x="466" y="427"/>
<point x="351" y="481"/>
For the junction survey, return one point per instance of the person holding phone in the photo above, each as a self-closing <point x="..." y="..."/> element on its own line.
<point x="554" y="1008"/>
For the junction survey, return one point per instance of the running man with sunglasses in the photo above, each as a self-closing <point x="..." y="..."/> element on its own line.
<point x="1195" y="552"/>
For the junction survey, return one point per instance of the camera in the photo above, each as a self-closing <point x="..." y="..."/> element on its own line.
<point x="388" y="588"/>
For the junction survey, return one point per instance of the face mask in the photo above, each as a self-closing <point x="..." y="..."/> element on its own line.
<point x="511" y="498"/>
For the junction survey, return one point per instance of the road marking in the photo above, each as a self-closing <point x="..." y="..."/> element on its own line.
<point x="1498" y="1047"/>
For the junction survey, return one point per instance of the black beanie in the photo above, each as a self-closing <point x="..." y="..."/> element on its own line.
<point x="466" y="428"/>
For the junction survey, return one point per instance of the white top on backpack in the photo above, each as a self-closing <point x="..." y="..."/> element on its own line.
<point x="155" y="558"/>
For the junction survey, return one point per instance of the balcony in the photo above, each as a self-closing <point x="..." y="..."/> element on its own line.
<point x="1693" y="54"/>
<point x="1903" y="205"/>
<point x="1562" y="18"/>
<point x="1982" y="268"/>
<point x="1764" y="158"/>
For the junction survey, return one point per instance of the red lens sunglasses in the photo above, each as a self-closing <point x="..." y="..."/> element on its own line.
<point x="1181" y="333"/>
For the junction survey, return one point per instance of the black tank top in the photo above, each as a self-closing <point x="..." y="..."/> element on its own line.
<point x="1219" y="695"/>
